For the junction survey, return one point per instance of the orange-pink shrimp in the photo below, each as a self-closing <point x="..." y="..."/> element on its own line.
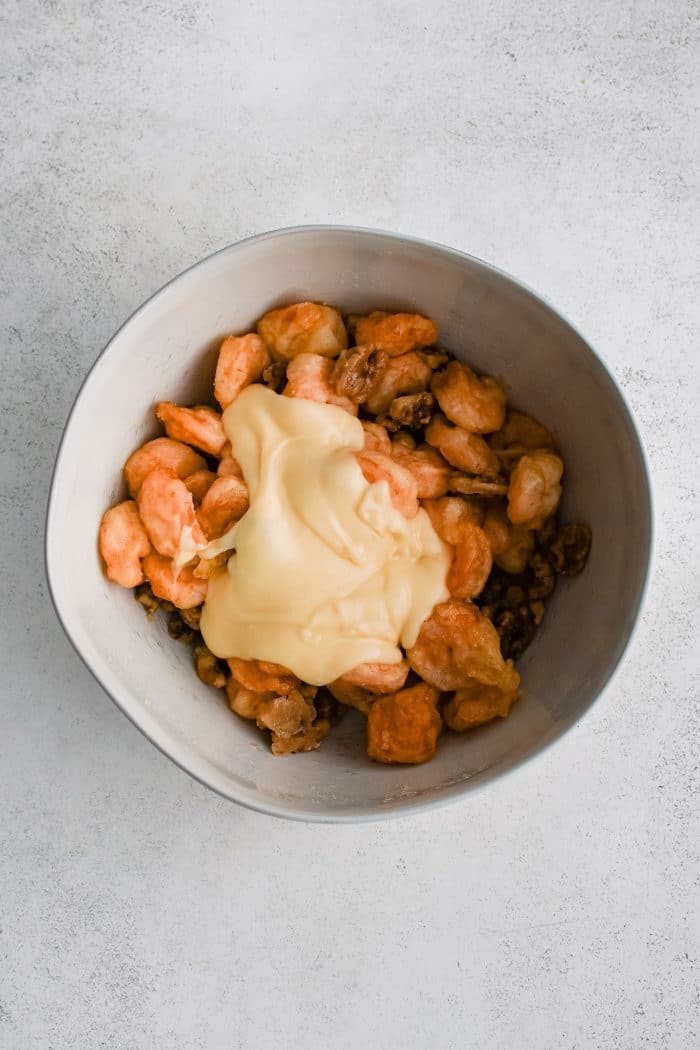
<point x="476" y="704"/>
<point x="402" y="485"/>
<point x="166" y="508"/>
<point x="534" y="490"/>
<point x="376" y="438"/>
<point x="262" y="676"/>
<point x="223" y="505"/>
<point x="377" y="678"/>
<point x="308" y="377"/>
<point x="396" y="333"/>
<point x="427" y="466"/>
<point x="408" y="374"/>
<point x="303" y="328"/>
<point x="476" y="403"/>
<point x="242" y="361"/>
<point x="404" y="727"/>
<point x="449" y="514"/>
<point x="512" y="545"/>
<point x="123" y="542"/>
<point x="200" y="426"/>
<point x="161" y="452"/>
<point x="182" y="587"/>
<point x="464" y="450"/>
<point x="199" y="484"/>
<point x="457" y="644"/>
<point x="228" y="464"/>
<point x="244" y="702"/>
<point x="471" y="563"/>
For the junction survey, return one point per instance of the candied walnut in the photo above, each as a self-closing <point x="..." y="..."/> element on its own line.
<point x="515" y="626"/>
<point x="286" y="715"/>
<point x="404" y="727"/>
<point x="569" y="551"/>
<point x="209" y="669"/>
<point x="543" y="578"/>
<point x="412" y="410"/>
<point x="191" y="617"/>
<point x="476" y="704"/>
<point x="309" y="740"/>
<point x="145" y="597"/>
<point x="537" y="609"/>
<point x="327" y="707"/>
<point x="179" y="630"/>
<point x="244" y="702"/>
<point x="275" y="376"/>
<point x="547" y="534"/>
<point x="357" y="370"/>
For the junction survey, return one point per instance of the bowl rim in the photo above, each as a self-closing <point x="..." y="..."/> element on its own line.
<point x="399" y="807"/>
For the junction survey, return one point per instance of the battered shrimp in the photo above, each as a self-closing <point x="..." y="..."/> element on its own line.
<point x="412" y="410"/>
<point x="377" y="678"/>
<point x="303" y="328"/>
<point x="199" y="484"/>
<point x="261" y="676"/>
<point x="376" y="438"/>
<point x="512" y="545"/>
<point x="408" y="374"/>
<point x="469" y="486"/>
<point x="462" y="449"/>
<point x="476" y="704"/>
<point x="404" y="727"/>
<point x="357" y="371"/>
<point x="166" y="508"/>
<point x="471" y="564"/>
<point x="534" y="490"/>
<point x="522" y="432"/>
<point x="352" y="695"/>
<point x="206" y="567"/>
<point x="182" y="587"/>
<point x="123" y="543"/>
<point x="308" y="377"/>
<point x="161" y="452"/>
<point x="396" y="333"/>
<point x="244" y="702"/>
<point x="228" y="464"/>
<point x="402" y="440"/>
<point x="199" y="426"/>
<point x="476" y="403"/>
<point x="242" y="361"/>
<point x="403" y="489"/>
<point x="457" y="644"/>
<point x="224" y="504"/>
<point x="427" y="467"/>
<point x="449" y="514"/>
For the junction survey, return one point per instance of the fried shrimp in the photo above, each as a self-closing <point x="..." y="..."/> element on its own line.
<point x="167" y="509"/>
<point x="408" y="374"/>
<point x="123" y="542"/>
<point x="402" y="485"/>
<point x="261" y="676"/>
<point x="357" y="371"/>
<point x="396" y="333"/>
<point x="228" y="464"/>
<point x="471" y="563"/>
<point x="427" y="467"/>
<point x="404" y="727"/>
<point x="457" y="644"/>
<point x="303" y="328"/>
<point x="242" y="361"/>
<point x="461" y="448"/>
<point x="476" y="403"/>
<point x="449" y="514"/>
<point x="377" y="678"/>
<point x="511" y="544"/>
<point x="199" y="484"/>
<point x="534" y="490"/>
<point x="224" y="504"/>
<point x="200" y="426"/>
<point x="352" y="695"/>
<point x="476" y="704"/>
<point x="182" y="587"/>
<point x="308" y="377"/>
<point x="161" y="452"/>
<point x="376" y="438"/>
<point x="522" y="432"/>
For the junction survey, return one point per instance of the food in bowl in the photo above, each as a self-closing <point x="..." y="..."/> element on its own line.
<point x="364" y="523"/>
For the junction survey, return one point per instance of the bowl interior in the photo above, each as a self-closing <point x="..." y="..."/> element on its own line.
<point x="167" y="350"/>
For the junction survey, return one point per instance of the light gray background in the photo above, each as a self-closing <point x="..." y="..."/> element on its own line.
<point x="560" y="907"/>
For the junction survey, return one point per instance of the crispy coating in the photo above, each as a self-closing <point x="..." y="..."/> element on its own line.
<point x="396" y="333"/>
<point x="462" y="449"/>
<point x="262" y="676"/>
<point x="200" y="426"/>
<point x="408" y="374"/>
<point x="223" y="505"/>
<point x="166" y="508"/>
<point x="404" y="727"/>
<point x="357" y="371"/>
<point x="534" y="489"/>
<point x="476" y="704"/>
<point x="182" y="587"/>
<point x="303" y="328"/>
<point x="309" y="377"/>
<point x="242" y="360"/>
<point x="476" y="403"/>
<point x="163" y="453"/>
<point x="403" y="490"/>
<point x="512" y="545"/>
<point x="123" y="542"/>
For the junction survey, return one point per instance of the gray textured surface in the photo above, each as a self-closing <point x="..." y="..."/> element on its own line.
<point x="560" y="907"/>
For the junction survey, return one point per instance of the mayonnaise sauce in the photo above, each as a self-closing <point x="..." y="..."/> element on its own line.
<point x="326" y="574"/>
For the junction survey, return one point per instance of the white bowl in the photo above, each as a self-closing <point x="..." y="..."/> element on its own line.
<point x="167" y="350"/>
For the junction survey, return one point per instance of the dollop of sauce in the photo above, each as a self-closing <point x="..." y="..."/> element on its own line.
<point x="325" y="573"/>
